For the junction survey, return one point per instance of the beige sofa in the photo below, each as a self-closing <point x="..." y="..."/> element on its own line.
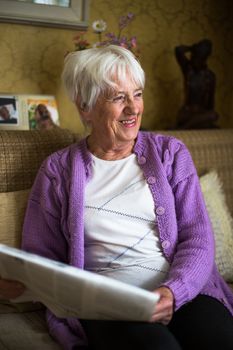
<point x="22" y="326"/>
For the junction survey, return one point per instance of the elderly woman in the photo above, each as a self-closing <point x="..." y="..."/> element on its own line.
<point x="127" y="204"/>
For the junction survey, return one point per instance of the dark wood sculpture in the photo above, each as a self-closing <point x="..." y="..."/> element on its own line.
<point x="199" y="87"/>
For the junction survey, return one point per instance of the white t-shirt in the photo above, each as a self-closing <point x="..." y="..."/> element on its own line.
<point x="121" y="236"/>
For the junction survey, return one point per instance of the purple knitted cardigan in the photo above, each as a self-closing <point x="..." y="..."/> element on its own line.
<point x="54" y="221"/>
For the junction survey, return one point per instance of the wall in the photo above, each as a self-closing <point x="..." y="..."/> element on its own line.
<point x="31" y="57"/>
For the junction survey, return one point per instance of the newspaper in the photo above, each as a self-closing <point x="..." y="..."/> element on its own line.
<point x="71" y="292"/>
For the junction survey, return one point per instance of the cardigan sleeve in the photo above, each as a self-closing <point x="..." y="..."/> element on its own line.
<point x="42" y="233"/>
<point x="193" y="259"/>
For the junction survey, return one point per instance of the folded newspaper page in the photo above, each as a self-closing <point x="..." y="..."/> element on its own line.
<point x="71" y="292"/>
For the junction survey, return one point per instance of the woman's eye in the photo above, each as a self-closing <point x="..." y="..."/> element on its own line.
<point x="120" y="98"/>
<point x="138" y="94"/>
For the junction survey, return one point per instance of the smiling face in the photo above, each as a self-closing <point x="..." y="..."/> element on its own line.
<point x="115" y="121"/>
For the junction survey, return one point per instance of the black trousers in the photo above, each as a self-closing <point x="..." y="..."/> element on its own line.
<point x="203" y="324"/>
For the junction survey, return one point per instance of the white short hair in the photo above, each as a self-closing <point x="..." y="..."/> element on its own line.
<point x="88" y="73"/>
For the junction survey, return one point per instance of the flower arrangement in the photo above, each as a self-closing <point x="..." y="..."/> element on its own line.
<point x="99" y="27"/>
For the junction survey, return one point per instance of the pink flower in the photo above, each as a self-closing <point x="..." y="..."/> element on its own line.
<point x="134" y="42"/>
<point x="80" y="42"/>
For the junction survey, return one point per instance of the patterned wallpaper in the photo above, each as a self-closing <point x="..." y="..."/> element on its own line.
<point x="31" y="57"/>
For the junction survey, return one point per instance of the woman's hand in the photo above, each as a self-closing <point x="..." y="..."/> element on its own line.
<point x="165" y="306"/>
<point x="10" y="289"/>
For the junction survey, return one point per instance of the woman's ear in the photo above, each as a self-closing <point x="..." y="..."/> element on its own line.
<point x="78" y="104"/>
<point x="83" y="110"/>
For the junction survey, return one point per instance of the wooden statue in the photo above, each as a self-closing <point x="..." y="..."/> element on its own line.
<point x="199" y="84"/>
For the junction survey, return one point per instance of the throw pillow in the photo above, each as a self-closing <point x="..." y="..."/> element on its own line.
<point x="12" y="210"/>
<point x="222" y="223"/>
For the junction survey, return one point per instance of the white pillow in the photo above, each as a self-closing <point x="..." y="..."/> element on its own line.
<point x="222" y="223"/>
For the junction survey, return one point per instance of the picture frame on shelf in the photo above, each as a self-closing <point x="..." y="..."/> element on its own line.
<point x="26" y="112"/>
<point x="42" y="111"/>
<point x="9" y="112"/>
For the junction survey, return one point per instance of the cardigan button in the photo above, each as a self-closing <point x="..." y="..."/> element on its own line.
<point x="141" y="160"/>
<point x="151" y="180"/>
<point x="166" y="244"/>
<point x="160" y="210"/>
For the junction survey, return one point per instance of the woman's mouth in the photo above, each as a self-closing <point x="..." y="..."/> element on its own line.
<point x="129" y="123"/>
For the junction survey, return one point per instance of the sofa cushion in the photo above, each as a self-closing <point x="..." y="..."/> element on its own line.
<point x="222" y="223"/>
<point x="25" y="331"/>
<point x="12" y="210"/>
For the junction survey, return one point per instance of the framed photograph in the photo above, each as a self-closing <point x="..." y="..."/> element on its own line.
<point x="71" y="14"/>
<point x="42" y="112"/>
<point x="9" y="112"/>
<point x="25" y="112"/>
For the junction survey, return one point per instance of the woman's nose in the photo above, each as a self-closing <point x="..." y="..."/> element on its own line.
<point x="131" y="106"/>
